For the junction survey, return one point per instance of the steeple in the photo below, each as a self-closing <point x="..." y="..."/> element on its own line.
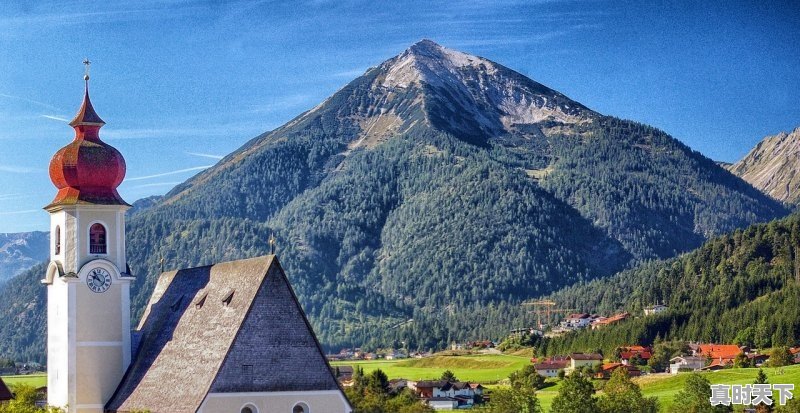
<point x="88" y="281"/>
<point x="87" y="170"/>
<point x="86" y="115"/>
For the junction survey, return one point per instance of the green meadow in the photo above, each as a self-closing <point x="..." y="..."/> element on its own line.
<point x="35" y="380"/>
<point x="484" y="368"/>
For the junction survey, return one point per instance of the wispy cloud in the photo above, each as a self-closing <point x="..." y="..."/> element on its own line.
<point x="206" y="155"/>
<point x="63" y="13"/>
<point x="539" y="37"/>
<point x="27" y="211"/>
<point x="350" y="73"/>
<point x="35" y="102"/>
<point x="57" y="118"/>
<point x="179" y="171"/>
<point x="156" y="184"/>
<point x="17" y="169"/>
<point x="283" y="102"/>
<point x="230" y="129"/>
<point x="9" y="197"/>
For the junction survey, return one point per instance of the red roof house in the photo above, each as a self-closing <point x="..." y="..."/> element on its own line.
<point x="616" y="318"/>
<point x="724" y="352"/>
<point x="608" y="369"/>
<point x="627" y="353"/>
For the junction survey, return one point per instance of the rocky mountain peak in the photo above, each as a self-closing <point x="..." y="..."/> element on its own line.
<point x="772" y="166"/>
<point x="428" y="62"/>
<point x="467" y="95"/>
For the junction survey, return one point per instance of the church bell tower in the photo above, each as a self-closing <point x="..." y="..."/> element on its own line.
<point x="88" y="284"/>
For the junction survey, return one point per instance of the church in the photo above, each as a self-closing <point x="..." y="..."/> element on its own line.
<point x="230" y="337"/>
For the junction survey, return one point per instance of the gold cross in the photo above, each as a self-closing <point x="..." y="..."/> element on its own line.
<point x="86" y="72"/>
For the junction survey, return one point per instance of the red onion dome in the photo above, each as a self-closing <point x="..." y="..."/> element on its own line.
<point x="87" y="170"/>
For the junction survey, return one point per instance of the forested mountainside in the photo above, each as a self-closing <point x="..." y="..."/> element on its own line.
<point x="773" y="166"/>
<point x="23" y="316"/>
<point x="741" y="288"/>
<point x="429" y="197"/>
<point x="20" y="251"/>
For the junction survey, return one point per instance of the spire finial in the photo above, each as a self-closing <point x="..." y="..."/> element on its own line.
<point x="272" y="243"/>
<point x="86" y="63"/>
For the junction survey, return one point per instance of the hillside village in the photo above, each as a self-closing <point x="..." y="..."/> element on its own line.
<point x="634" y="360"/>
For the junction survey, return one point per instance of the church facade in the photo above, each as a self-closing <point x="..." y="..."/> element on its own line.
<point x="230" y="337"/>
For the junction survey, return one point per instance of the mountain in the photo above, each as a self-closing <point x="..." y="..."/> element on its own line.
<point x="773" y="166"/>
<point x="20" y="251"/>
<point x="427" y="198"/>
<point x="741" y="288"/>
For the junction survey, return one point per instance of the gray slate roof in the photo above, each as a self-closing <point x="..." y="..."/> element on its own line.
<point x="5" y="393"/>
<point x="193" y="342"/>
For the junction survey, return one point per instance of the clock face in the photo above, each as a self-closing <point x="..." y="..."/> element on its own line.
<point x="98" y="280"/>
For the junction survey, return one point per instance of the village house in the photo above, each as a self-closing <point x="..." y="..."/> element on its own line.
<point x="442" y="403"/>
<point x="577" y="321"/>
<point x="395" y="355"/>
<point x="550" y="368"/>
<point x="795" y="354"/>
<point x="579" y="360"/>
<point x="626" y="354"/>
<point x="397" y="385"/>
<point x="757" y="360"/>
<point x="441" y="394"/>
<point x="608" y="368"/>
<point x="719" y="354"/>
<point x="718" y="364"/>
<point x="479" y="344"/>
<point x="605" y="321"/>
<point x="5" y="393"/>
<point x="343" y="373"/>
<point x="655" y="309"/>
<point x="686" y="362"/>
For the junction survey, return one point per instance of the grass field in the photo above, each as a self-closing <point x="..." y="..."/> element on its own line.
<point x="666" y="386"/>
<point x="488" y="368"/>
<point x="491" y="369"/>
<point x="35" y="380"/>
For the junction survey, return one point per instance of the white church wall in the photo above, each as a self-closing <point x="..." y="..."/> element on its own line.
<point x="323" y="401"/>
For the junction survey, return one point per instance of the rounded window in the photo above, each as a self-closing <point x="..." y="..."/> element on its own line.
<point x="57" y="239"/>
<point x="97" y="240"/>
<point x="249" y="408"/>
<point x="300" y="408"/>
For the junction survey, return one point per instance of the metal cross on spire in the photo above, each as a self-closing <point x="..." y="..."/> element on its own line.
<point x="86" y="62"/>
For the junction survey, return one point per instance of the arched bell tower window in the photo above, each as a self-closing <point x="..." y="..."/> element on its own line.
<point x="57" y="240"/>
<point x="300" y="408"/>
<point x="97" y="239"/>
<point x="249" y="408"/>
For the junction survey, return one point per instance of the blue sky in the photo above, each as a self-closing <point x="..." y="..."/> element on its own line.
<point x="181" y="83"/>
